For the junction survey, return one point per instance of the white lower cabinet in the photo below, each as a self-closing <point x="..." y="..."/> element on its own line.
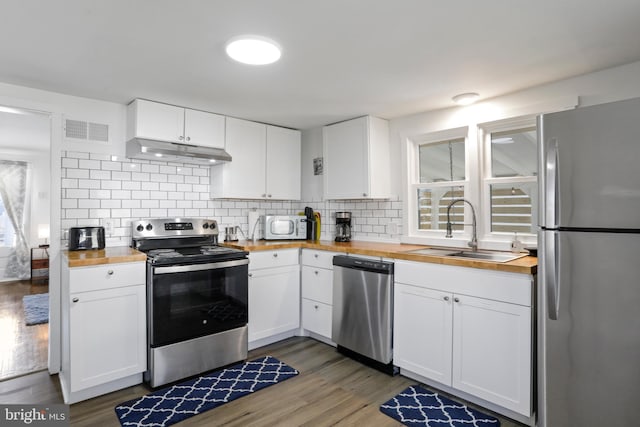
<point x="317" y="291"/>
<point x="466" y="329"/>
<point x="103" y="329"/>
<point x="274" y="295"/>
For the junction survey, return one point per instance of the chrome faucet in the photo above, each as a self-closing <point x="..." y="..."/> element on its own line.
<point x="473" y="244"/>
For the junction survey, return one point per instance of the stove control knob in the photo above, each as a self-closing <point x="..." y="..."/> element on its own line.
<point x="140" y="228"/>
<point x="205" y="225"/>
<point x="149" y="227"/>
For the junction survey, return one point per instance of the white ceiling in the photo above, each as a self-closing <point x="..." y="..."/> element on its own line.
<point x="341" y="59"/>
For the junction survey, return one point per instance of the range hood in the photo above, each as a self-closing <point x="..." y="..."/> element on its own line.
<point x="149" y="149"/>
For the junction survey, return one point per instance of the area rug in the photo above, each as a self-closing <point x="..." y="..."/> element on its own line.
<point x="36" y="309"/>
<point x="417" y="406"/>
<point x="176" y="403"/>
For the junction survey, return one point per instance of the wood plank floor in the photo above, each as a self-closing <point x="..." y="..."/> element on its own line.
<point x="23" y="349"/>
<point x="330" y="390"/>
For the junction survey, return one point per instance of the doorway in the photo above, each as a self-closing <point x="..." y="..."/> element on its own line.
<point x="25" y="137"/>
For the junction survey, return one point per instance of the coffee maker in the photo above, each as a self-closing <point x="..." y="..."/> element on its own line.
<point x="343" y="226"/>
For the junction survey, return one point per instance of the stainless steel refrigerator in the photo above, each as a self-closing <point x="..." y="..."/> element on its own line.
<point x="589" y="267"/>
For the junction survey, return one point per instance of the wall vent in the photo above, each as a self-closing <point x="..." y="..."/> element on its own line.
<point x="86" y="131"/>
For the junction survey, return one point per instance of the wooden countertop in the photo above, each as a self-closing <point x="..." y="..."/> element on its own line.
<point x="112" y="255"/>
<point x="524" y="265"/>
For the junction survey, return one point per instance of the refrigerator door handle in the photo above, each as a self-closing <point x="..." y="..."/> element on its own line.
<point x="553" y="195"/>
<point x="551" y="279"/>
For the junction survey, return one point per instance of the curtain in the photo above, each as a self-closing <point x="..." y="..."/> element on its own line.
<point x="13" y="190"/>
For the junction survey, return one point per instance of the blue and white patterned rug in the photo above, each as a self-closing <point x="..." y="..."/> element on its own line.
<point x="36" y="309"/>
<point x="416" y="406"/>
<point x="176" y="403"/>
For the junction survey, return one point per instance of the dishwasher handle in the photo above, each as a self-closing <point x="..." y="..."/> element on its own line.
<point x="374" y="266"/>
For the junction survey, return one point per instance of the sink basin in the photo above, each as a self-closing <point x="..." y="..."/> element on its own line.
<point x="455" y="253"/>
<point x="434" y="251"/>
<point x="487" y="256"/>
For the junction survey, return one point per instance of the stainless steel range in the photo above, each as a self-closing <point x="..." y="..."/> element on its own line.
<point x="197" y="294"/>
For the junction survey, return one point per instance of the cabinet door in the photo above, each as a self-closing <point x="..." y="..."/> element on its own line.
<point x="346" y="159"/>
<point x="244" y="177"/>
<point x="316" y="317"/>
<point x="423" y="331"/>
<point x="203" y="129"/>
<point x="492" y="351"/>
<point x="154" y="120"/>
<point x="107" y="335"/>
<point x="274" y="301"/>
<point x="283" y="163"/>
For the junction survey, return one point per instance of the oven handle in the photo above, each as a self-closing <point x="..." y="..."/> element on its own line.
<point x="199" y="267"/>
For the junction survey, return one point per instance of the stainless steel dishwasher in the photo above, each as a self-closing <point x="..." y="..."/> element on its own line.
<point x="363" y="310"/>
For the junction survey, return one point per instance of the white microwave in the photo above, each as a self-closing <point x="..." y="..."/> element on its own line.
<point x="284" y="227"/>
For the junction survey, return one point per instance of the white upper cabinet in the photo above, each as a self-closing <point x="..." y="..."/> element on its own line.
<point x="356" y="159"/>
<point x="164" y="122"/>
<point x="283" y="163"/>
<point x="266" y="163"/>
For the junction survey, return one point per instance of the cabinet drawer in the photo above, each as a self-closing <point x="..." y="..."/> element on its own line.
<point x="317" y="284"/>
<point x="320" y="259"/>
<point x="270" y="259"/>
<point x="316" y="317"/>
<point x="83" y="279"/>
<point x="496" y="285"/>
<point x="39" y="263"/>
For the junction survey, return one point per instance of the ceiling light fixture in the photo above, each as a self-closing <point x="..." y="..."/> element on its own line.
<point x="253" y="50"/>
<point x="466" y="98"/>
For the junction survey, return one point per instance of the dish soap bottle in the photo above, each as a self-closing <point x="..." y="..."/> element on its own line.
<point x="516" y="245"/>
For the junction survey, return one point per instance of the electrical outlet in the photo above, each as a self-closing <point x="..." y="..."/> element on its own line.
<point x="107" y="223"/>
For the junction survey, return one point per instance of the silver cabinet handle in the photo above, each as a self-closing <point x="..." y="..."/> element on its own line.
<point x="275" y="255"/>
<point x="364" y="194"/>
<point x="181" y="137"/>
<point x="550" y="256"/>
<point x="110" y="272"/>
<point x="75" y="299"/>
<point x="456" y="299"/>
<point x="315" y="255"/>
<point x="315" y="306"/>
<point x="268" y="195"/>
<point x="250" y="274"/>
<point x="446" y="298"/>
<point x="188" y="138"/>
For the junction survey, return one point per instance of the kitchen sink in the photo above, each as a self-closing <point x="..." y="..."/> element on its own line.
<point x="479" y="255"/>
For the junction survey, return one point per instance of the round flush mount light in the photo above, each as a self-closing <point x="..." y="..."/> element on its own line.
<point x="253" y="50"/>
<point x="466" y="98"/>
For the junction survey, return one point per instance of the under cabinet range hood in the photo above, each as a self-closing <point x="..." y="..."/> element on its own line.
<point x="149" y="149"/>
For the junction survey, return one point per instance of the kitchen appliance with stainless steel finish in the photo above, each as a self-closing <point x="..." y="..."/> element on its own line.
<point x="343" y="226"/>
<point x="86" y="238"/>
<point x="362" y="322"/>
<point x="588" y="287"/>
<point x="197" y="298"/>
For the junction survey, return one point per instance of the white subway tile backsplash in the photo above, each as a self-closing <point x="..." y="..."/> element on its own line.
<point x="94" y="187"/>
<point x="77" y="173"/>
<point x="89" y="164"/>
<point x="150" y="168"/>
<point x="100" y="194"/>
<point x="111" y="166"/>
<point x="111" y="185"/>
<point x="131" y="185"/>
<point x="88" y="183"/>
<point x="110" y="204"/>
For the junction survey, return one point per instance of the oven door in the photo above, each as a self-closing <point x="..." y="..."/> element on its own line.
<point x="190" y="301"/>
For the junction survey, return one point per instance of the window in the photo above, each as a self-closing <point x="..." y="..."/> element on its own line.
<point x="7" y="235"/>
<point x="510" y="177"/>
<point x="440" y="165"/>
